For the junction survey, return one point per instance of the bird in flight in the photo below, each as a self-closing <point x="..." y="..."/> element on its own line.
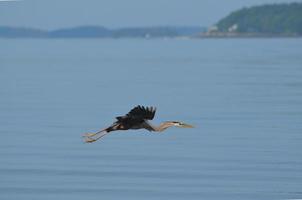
<point x="137" y="118"/>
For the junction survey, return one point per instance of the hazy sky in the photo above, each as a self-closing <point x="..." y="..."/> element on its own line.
<point x="50" y="14"/>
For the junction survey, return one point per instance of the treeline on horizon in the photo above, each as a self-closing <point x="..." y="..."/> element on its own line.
<point x="270" y="19"/>
<point x="101" y="32"/>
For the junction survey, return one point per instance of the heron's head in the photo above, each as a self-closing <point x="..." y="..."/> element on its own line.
<point x="181" y="124"/>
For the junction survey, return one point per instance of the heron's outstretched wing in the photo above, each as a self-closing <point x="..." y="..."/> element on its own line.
<point x="139" y="113"/>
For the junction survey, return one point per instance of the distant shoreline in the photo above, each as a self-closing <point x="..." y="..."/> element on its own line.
<point x="157" y="38"/>
<point x="102" y="32"/>
<point x="246" y="35"/>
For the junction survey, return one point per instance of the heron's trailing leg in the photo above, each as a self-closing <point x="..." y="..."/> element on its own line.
<point x="89" y="134"/>
<point x="92" y="137"/>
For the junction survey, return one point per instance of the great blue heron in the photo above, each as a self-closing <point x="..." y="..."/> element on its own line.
<point x="137" y="118"/>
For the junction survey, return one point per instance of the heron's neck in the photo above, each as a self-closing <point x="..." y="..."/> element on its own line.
<point x="163" y="126"/>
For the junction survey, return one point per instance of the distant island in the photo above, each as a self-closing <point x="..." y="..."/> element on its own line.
<point x="102" y="32"/>
<point x="274" y="20"/>
<point x="271" y="20"/>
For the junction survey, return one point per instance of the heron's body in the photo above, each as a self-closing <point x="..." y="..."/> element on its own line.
<point x="137" y="118"/>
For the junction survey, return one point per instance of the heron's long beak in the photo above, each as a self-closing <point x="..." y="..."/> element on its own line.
<point x="183" y="125"/>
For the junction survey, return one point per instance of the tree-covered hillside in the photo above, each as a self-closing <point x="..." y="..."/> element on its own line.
<point x="266" y="19"/>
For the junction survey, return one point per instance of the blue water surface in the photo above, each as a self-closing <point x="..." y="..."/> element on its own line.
<point x="244" y="97"/>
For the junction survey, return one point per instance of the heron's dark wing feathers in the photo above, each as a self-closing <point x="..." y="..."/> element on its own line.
<point x="139" y="112"/>
<point x="142" y="112"/>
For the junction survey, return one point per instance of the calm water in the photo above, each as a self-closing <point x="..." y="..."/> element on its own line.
<point x="243" y="96"/>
